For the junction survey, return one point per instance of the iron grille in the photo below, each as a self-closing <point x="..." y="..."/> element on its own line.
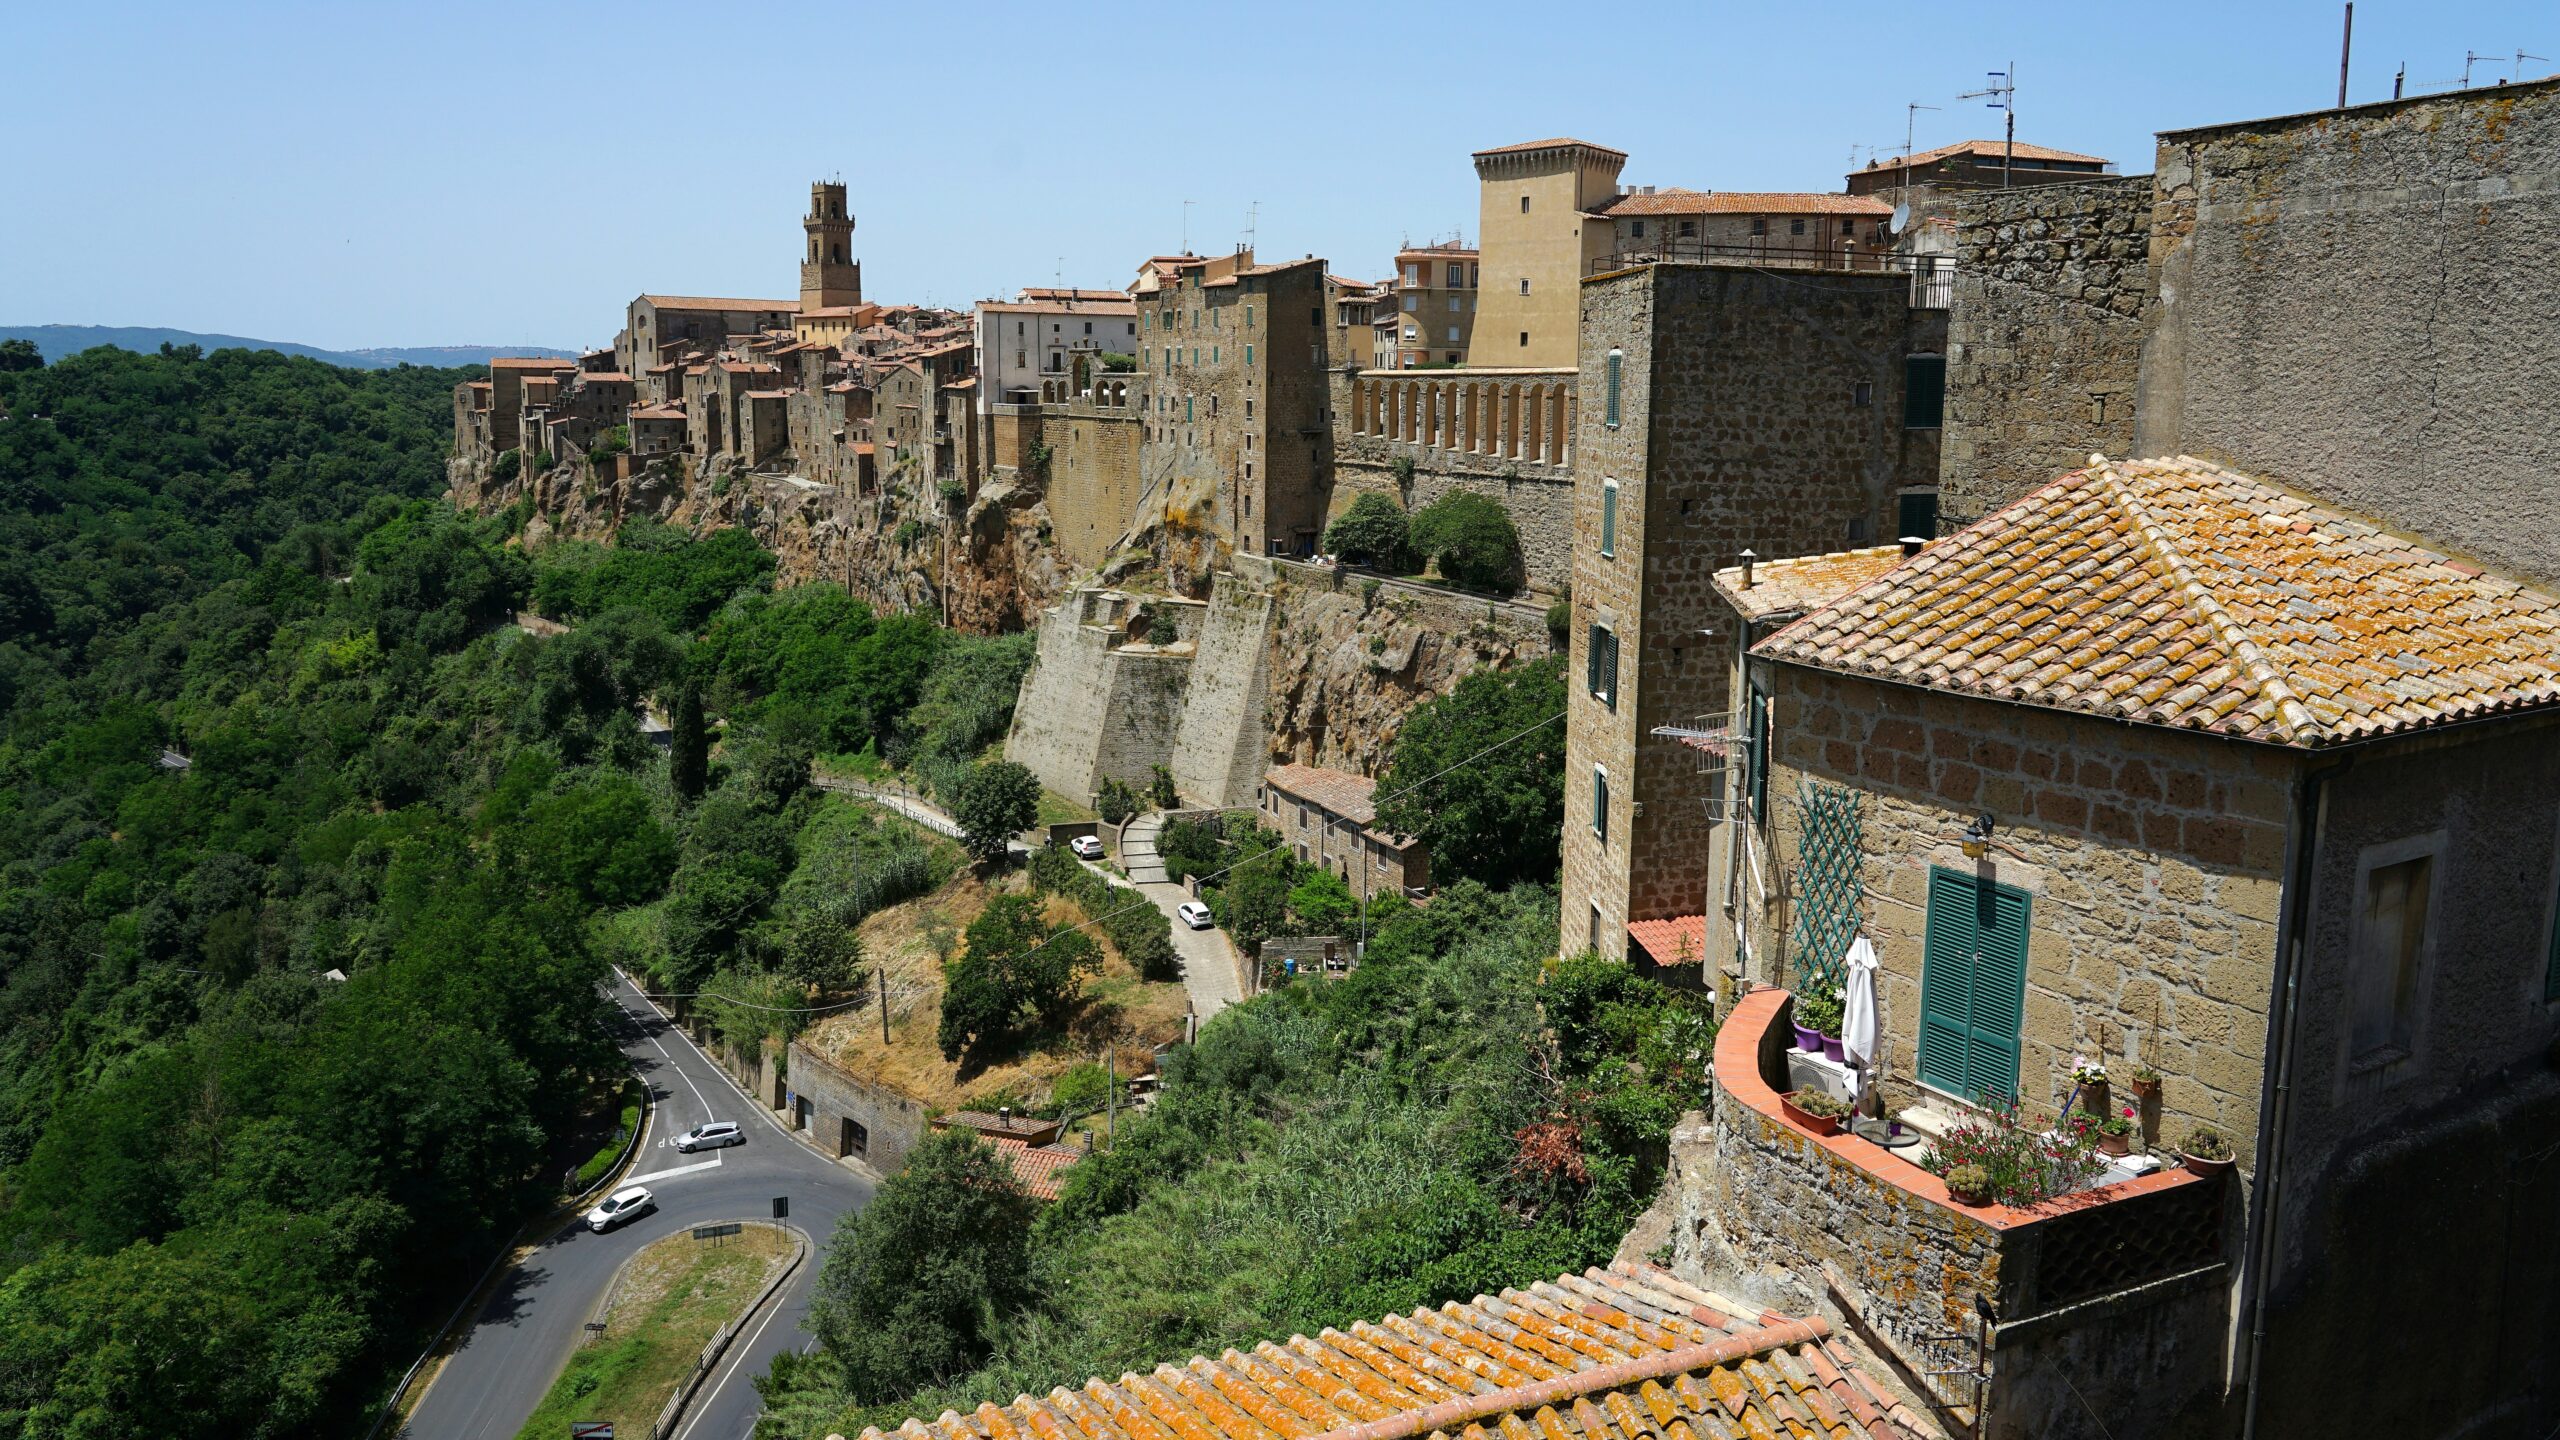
<point x="1830" y="894"/>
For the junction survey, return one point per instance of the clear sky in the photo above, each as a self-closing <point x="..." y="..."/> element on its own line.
<point x="360" y="174"/>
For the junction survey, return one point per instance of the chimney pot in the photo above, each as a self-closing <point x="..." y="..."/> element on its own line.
<point x="1911" y="544"/>
<point x="1747" y="558"/>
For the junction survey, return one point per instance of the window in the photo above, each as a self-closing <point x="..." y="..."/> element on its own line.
<point x="2388" y="957"/>
<point x="1616" y="367"/>
<point x="1924" y="392"/>
<point x="1862" y="394"/>
<point x="1524" y="204"/>
<point x="1759" y="224"/>
<point x="1688" y="228"/>
<point x="1457" y="274"/>
<point x="1088" y="327"/>
<point x="1609" y="519"/>
<point x="1600" y="802"/>
<point x="1848" y="227"/>
<point x="1453" y="334"/>
<point x="1454" y="305"/>
<point x="1796" y="226"/>
<point x="1248" y="400"/>
<point x="1973" y="985"/>
<point x="1524" y="284"/>
<point x="1248" y="359"/>
<point x="1601" y="663"/>
<point x="1916" y="514"/>
<point x="1413" y="274"/>
<point x="1524" y="339"/>
<point x="1412" y="303"/>
<point x="1595" y="925"/>
<point x="1186" y="409"/>
<point x="1636" y="231"/>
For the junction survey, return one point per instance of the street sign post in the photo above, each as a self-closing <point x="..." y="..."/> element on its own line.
<point x="590" y="1430"/>
<point x="714" y="1232"/>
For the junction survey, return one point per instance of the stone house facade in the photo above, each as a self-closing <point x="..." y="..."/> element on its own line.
<point x="1722" y="408"/>
<point x="1329" y="818"/>
<point x="1435" y="299"/>
<point x="2201" y="832"/>
<point x="1536" y="246"/>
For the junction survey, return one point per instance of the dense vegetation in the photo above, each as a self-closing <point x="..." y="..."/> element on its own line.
<point x="1478" y="774"/>
<point x="1459" y="1114"/>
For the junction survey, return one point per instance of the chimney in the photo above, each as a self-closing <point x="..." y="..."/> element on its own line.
<point x="1004" y="1116"/>
<point x="1747" y="558"/>
<point x="1911" y="545"/>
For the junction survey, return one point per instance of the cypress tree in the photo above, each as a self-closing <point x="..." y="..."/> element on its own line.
<point x="689" y="758"/>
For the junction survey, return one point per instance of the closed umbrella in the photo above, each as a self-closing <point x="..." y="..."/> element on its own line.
<point x="1858" y="1028"/>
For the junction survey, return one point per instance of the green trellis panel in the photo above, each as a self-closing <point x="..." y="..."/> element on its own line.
<point x="1829" y="894"/>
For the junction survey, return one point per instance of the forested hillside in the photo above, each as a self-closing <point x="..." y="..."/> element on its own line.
<point x="264" y="724"/>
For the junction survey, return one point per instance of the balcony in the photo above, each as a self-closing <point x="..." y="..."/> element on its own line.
<point x="1972" y="1297"/>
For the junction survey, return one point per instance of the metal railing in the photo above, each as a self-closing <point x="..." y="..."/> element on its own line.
<point x="1799" y="253"/>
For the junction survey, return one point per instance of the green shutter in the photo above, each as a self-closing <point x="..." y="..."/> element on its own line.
<point x="1600" y="803"/>
<point x="1616" y="361"/>
<point x="1973" y="985"/>
<point x="1609" y="520"/>
<point x="1924" y="392"/>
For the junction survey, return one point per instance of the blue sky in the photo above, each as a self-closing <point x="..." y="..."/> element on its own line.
<point x="380" y="174"/>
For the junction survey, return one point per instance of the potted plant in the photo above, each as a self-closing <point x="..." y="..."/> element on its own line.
<point x="2115" y="1132"/>
<point x="2146" y="1084"/>
<point x="1821" y="1010"/>
<point x="1816" y="1110"/>
<point x="2205" y="1151"/>
<point x="1969" y="1184"/>
<point x="1808" y="1038"/>
<point x="2090" y="1076"/>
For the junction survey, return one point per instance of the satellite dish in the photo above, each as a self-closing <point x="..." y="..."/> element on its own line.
<point x="1901" y="216"/>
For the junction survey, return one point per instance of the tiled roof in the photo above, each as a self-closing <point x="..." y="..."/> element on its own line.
<point x="530" y="362"/>
<point x="1991" y="148"/>
<point x="2179" y="593"/>
<point x="1042" y="1169"/>
<point x="992" y="1125"/>
<point x="1350" y="796"/>
<point x="1669" y="941"/>
<point x="1550" y="145"/>
<point x="1807" y="582"/>
<point x="1671" y="200"/>
<point x="1605" y="1355"/>
<point x="657" y="412"/>
<point x="784" y="394"/>
<point x="603" y="377"/>
<point x="714" y="302"/>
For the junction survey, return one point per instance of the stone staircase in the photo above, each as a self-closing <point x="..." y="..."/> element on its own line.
<point x="1138" y="850"/>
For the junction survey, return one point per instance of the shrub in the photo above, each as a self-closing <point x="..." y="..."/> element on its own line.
<point x="1161" y="630"/>
<point x="1373" y="532"/>
<point x="2205" y="1143"/>
<point x="508" y="465"/>
<point x="1819" y="1010"/>
<point x="1117" y="804"/>
<point x="1115" y="363"/>
<point x="953" y="493"/>
<point x="611" y="443"/>
<point x="907" y="534"/>
<point x="1164" y="794"/>
<point x="2023" y="1167"/>
<point x="1134" y="925"/>
<point x="1472" y="540"/>
<point x="1560" y="622"/>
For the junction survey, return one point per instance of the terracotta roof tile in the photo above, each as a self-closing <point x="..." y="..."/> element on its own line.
<point x="1806" y="582"/>
<point x="1350" y="796"/>
<point x="1672" y="200"/>
<point x="715" y="302"/>
<point x="1669" y="940"/>
<point x="1041" y="1168"/>
<point x="1620" y="1354"/>
<point x="2179" y="593"/>
<point x="1992" y="149"/>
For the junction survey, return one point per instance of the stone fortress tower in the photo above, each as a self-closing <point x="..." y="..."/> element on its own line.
<point x="829" y="276"/>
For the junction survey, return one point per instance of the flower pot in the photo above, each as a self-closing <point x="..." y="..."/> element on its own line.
<point x="2093" y="1098"/>
<point x="2115" y="1144"/>
<point x="1833" y="1050"/>
<point x="1962" y="1198"/>
<point x="1808" y="1040"/>
<point x="2202" y="1166"/>
<point x="1818" y="1124"/>
<point x="2146" y="1091"/>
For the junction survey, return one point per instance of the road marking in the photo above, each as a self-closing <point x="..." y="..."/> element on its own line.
<point x="672" y="1063"/>
<point x="671" y="1174"/>
<point x="737" y="1362"/>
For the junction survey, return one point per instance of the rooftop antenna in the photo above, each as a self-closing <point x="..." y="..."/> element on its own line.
<point x="2346" y="44"/>
<point x="2522" y="57"/>
<point x="2471" y="58"/>
<point x="2400" y="80"/>
<point x="2002" y="95"/>
<point x="1902" y="202"/>
<point x="1252" y="223"/>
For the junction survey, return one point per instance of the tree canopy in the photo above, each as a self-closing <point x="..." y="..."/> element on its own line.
<point x="1478" y="774"/>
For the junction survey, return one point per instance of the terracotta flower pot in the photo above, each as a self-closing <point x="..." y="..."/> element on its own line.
<point x="2115" y="1144"/>
<point x="2146" y="1091"/>
<point x="1818" y="1124"/>
<point x="2203" y="1166"/>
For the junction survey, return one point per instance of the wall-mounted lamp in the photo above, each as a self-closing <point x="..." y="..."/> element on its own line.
<point x="1977" y="836"/>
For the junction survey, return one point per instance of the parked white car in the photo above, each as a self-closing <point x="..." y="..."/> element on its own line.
<point x="1194" y="914"/>
<point x="1086" y="847"/>
<point x="712" y="1136"/>
<point x="628" y="1203"/>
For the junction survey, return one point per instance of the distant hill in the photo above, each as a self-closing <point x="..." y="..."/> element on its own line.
<point x="57" y="341"/>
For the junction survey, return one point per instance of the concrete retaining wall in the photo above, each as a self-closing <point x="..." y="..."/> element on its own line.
<point x="884" y="1124"/>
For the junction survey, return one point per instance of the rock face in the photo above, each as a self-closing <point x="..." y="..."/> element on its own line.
<point x="987" y="569"/>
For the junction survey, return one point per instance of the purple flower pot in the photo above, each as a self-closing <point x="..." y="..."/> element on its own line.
<point x="1832" y="1050"/>
<point x="1808" y="1040"/>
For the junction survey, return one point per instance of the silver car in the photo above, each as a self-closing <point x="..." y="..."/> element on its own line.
<point x="628" y="1203"/>
<point x="712" y="1136"/>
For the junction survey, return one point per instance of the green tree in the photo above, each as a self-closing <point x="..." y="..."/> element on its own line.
<point x="1373" y="532"/>
<point x="822" y="950"/>
<point x="1012" y="970"/>
<point x="689" y="750"/>
<point x="919" y="1282"/>
<point x="1478" y="774"/>
<point x="1472" y="540"/>
<point x="19" y="354"/>
<point x="1117" y="804"/>
<point x="598" y="841"/>
<point x="997" y="800"/>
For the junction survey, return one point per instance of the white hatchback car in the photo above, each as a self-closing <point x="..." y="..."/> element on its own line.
<point x="628" y="1203"/>
<point x="1086" y="847"/>
<point x="1194" y="914"/>
<point x="711" y="1136"/>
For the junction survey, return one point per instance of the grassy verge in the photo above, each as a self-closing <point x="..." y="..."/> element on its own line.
<point x="675" y="1295"/>
<point x="611" y="1151"/>
<point x="1057" y="809"/>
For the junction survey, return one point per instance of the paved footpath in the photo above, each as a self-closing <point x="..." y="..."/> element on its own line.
<point x="1209" y="970"/>
<point x="520" y="1340"/>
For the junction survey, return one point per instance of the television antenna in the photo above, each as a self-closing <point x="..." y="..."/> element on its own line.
<point x="1186" y="225"/>
<point x="2001" y="95"/>
<point x="2474" y="57"/>
<point x="1902" y="201"/>
<point x="2522" y="57"/>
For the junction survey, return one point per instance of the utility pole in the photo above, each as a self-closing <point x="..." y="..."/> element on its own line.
<point x="880" y="973"/>
<point x="2346" y="46"/>
<point x="1110" y="1092"/>
<point x="2002" y="96"/>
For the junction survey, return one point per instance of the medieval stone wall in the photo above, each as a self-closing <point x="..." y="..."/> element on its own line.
<point x="1095" y="706"/>
<point x="2044" y="335"/>
<point x="1219" y="745"/>
<point x="1534" y="486"/>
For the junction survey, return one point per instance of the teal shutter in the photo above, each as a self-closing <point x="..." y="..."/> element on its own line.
<point x="1600" y="803"/>
<point x="1924" y="392"/>
<point x="1973" y="985"/>
<point x="1609" y="519"/>
<point x="1617" y="360"/>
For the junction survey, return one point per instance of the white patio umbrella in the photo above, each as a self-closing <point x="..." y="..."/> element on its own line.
<point x="1858" y="1030"/>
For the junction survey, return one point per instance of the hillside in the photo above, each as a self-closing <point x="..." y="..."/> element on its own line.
<point x="58" y="341"/>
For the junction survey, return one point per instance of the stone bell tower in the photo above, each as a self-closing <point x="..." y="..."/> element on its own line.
<point x="829" y="275"/>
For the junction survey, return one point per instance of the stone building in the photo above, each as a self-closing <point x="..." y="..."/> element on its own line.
<point x="1505" y="434"/>
<point x="1840" y="232"/>
<point x="1329" y="819"/>
<point x="2251" y="793"/>
<point x="1435" y="304"/>
<point x="1049" y="336"/>
<point x="1080" y="451"/>
<point x="830" y="276"/>
<point x="1536" y="247"/>
<point x="2353" y="302"/>
<point x="1234" y="355"/>
<point x="1724" y="407"/>
<point x="655" y="324"/>
<point x="1971" y="165"/>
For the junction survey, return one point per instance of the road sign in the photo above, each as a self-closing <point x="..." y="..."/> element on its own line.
<point x="714" y="1232"/>
<point x="590" y="1430"/>
<point x="781" y="1207"/>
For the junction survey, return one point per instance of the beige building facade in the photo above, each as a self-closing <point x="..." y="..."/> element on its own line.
<point x="1536" y="248"/>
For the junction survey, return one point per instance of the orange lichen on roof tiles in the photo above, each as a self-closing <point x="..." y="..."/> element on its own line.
<point x="1041" y="1168"/>
<point x="1804" y="582"/>
<point x="2177" y="592"/>
<point x="1353" y="797"/>
<point x="1672" y="200"/>
<point x="1618" y="1354"/>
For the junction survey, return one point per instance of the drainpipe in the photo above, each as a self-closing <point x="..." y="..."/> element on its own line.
<point x="2310" y="812"/>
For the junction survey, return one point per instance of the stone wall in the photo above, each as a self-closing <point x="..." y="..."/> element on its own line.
<point x="1091" y="484"/>
<point x="2044" y="335"/>
<point x="1219" y="744"/>
<point x="2359" y="304"/>
<point x="1096" y="706"/>
<point x="847" y="1115"/>
<point x="1535" y="487"/>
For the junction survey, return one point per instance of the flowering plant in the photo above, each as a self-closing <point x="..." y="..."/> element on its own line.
<point x="2118" y="1124"/>
<point x="2086" y="1073"/>
<point x="2025" y="1167"/>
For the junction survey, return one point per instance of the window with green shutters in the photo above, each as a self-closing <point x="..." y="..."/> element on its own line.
<point x="1924" y="392"/>
<point x="1609" y="518"/>
<point x="1600" y="803"/>
<point x="1973" y="985"/>
<point x="1602" y="643"/>
<point x="1617" y="362"/>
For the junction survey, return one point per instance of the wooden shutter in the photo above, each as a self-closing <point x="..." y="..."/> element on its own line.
<point x="1999" y="989"/>
<point x="1946" y="981"/>
<point x="1973" y="985"/>
<point x="1617" y="361"/>
<point x="1609" y="518"/>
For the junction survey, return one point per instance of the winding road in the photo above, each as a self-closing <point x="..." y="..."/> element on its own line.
<point x="521" y="1338"/>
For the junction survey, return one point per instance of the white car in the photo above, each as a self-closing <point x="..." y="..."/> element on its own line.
<point x="1086" y="847"/>
<point x="628" y="1203"/>
<point x="711" y="1136"/>
<point x="1194" y="914"/>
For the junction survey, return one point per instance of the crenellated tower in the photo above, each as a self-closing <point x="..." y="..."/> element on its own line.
<point x="829" y="275"/>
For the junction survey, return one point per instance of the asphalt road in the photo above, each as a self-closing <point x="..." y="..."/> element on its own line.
<point x="519" y="1342"/>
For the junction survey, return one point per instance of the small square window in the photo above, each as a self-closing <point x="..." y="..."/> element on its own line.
<point x="1524" y="284"/>
<point x="1524" y="339"/>
<point x="1795" y="226"/>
